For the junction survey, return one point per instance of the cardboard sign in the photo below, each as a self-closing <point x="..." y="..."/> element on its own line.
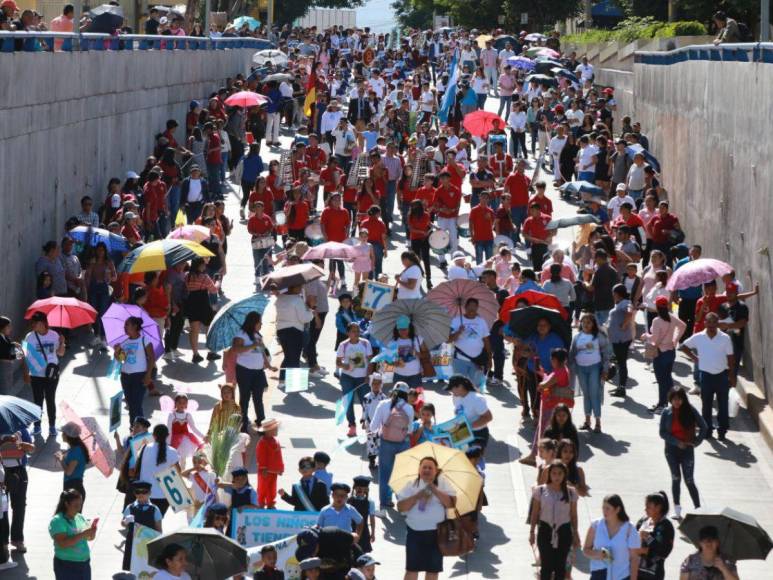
<point x="255" y="527"/>
<point x="115" y="411"/>
<point x="376" y="295"/>
<point x="285" y="558"/>
<point x="174" y="489"/>
<point x="457" y="431"/>
<point x="296" y="380"/>
<point x="140" y="566"/>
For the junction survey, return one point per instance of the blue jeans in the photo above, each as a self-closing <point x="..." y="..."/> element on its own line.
<point x="388" y="203"/>
<point x="592" y="390"/>
<point x="601" y="316"/>
<point x="213" y="175"/>
<point x="67" y="570"/>
<point x="518" y="215"/>
<point x="589" y="176"/>
<point x="133" y="393"/>
<point x="482" y="100"/>
<point x="504" y="105"/>
<point x="99" y="298"/>
<point x="224" y="155"/>
<point x="349" y="384"/>
<point x="378" y="252"/>
<point x="663" y="365"/>
<point x="262" y="267"/>
<point x="636" y="194"/>
<point x="682" y="462"/>
<point x="715" y="385"/>
<point x="386" y="462"/>
<point x="482" y="248"/>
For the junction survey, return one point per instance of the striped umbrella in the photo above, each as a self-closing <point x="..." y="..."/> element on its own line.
<point x="162" y="255"/>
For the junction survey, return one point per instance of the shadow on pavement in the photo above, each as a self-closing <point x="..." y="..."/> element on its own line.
<point x="608" y="444"/>
<point x="738" y="454"/>
<point x="633" y="407"/>
<point x="296" y="405"/>
<point x="499" y="452"/>
<point x="482" y="563"/>
<point x="504" y="395"/>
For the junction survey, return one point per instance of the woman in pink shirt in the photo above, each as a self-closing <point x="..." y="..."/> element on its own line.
<point x="664" y="335"/>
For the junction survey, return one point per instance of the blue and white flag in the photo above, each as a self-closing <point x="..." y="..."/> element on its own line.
<point x="450" y="94"/>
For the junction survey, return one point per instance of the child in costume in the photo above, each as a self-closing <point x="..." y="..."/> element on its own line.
<point x="186" y="437"/>
<point x="369" y="403"/>
<point x="367" y="509"/>
<point x="268" y="458"/>
<point x="321" y="461"/>
<point x="223" y="410"/>
<point x="309" y="494"/>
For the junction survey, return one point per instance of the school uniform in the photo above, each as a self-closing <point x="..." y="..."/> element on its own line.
<point x="314" y="490"/>
<point x="366" y="508"/>
<point x="145" y="514"/>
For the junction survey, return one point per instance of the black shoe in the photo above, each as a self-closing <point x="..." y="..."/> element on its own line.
<point x="585" y="427"/>
<point x="213" y="356"/>
<point x="197" y="358"/>
<point x="710" y="435"/>
<point x="618" y="392"/>
<point x="722" y="437"/>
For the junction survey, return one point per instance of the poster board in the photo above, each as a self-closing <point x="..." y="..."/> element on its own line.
<point x="376" y="295"/>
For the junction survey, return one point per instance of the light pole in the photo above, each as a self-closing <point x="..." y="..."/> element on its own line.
<point x="764" y="20"/>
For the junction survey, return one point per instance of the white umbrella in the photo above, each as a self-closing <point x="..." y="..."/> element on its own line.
<point x="277" y="57"/>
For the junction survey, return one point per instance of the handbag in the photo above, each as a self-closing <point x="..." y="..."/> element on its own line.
<point x="650" y="351"/>
<point x="427" y="368"/>
<point x="455" y="535"/>
<point x="51" y="371"/>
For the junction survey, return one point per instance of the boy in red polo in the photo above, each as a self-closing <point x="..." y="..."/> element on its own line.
<point x="482" y="228"/>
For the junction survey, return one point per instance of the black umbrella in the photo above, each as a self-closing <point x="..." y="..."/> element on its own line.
<point x="542" y="80"/>
<point x="740" y="536"/>
<point x="575" y="220"/>
<point x="211" y="555"/>
<point x="106" y="18"/>
<point x="501" y="41"/>
<point x="524" y="321"/>
<point x="544" y="67"/>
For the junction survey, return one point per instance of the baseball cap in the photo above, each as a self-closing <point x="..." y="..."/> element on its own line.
<point x="661" y="302"/>
<point x="731" y="287"/>
<point x="458" y="255"/>
<point x="403" y="322"/>
<point x="620" y="187"/>
<point x="401" y="387"/>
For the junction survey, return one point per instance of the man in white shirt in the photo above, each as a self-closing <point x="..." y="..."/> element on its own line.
<point x="586" y="166"/>
<point x="712" y="351"/>
<point x="489" y="59"/>
<point x="621" y="197"/>
<point x="504" y="54"/>
<point x="344" y="142"/>
<point x="330" y="118"/>
<point x="575" y="115"/>
<point x="460" y="269"/>
<point x="377" y="84"/>
<point x="517" y="123"/>
<point x="554" y="149"/>
<point x="635" y="180"/>
<point x="584" y="70"/>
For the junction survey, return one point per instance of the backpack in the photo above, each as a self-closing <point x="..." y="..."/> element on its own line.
<point x="744" y="33"/>
<point x="395" y="428"/>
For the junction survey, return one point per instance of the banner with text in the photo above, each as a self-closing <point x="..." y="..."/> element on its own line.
<point x="254" y="527"/>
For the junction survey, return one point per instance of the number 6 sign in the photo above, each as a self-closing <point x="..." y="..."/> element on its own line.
<point x="376" y="295"/>
<point x="174" y="489"/>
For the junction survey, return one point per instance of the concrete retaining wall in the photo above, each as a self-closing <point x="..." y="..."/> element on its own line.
<point x="708" y="125"/>
<point x="71" y="121"/>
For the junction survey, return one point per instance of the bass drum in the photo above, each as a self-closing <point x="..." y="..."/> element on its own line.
<point x="439" y="240"/>
<point x="280" y="218"/>
<point x="314" y="234"/>
<point x="463" y="225"/>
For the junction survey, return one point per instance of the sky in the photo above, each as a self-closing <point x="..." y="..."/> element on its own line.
<point x="377" y="14"/>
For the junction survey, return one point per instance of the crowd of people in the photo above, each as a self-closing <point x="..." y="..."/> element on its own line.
<point x="384" y="129"/>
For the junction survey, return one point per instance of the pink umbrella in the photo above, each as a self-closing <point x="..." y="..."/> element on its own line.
<point x="101" y="452"/>
<point x="63" y="312"/>
<point x="544" y="52"/>
<point x="453" y="295"/>
<point x="697" y="272"/>
<point x="331" y="251"/>
<point x="246" y="99"/>
<point x="193" y="233"/>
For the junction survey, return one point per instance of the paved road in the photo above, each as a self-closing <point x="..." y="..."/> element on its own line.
<point x="626" y="459"/>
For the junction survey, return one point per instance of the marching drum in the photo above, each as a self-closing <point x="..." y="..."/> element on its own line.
<point x="262" y="242"/>
<point x="281" y="223"/>
<point x="439" y="240"/>
<point x="314" y="234"/>
<point x="463" y="225"/>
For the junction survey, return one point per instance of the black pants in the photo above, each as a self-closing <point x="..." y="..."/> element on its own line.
<point x="538" y="253"/>
<point x="337" y="264"/>
<point x="497" y="343"/>
<point x="687" y="315"/>
<point x="76" y="484"/>
<point x="421" y="249"/>
<point x="45" y="389"/>
<point x="176" y="325"/>
<point x="682" y="462"/>
<point x="246" y="189"/>
<point x="291" y="340"/>
<point x="553" y="560"/>
<point x="252" y="384"/>
<point x="310" y="348"/>
<point x="16" y="483"/>
<point x="621" y="356"/>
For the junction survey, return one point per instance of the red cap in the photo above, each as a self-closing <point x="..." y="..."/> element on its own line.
<point x="661" y="302"/>
<point x="608" y="91"/>
<point x="559" y="108"/>
<point x="9" y="4"/>
<point x="731" y="287"/>
<point x="296" y="183"/>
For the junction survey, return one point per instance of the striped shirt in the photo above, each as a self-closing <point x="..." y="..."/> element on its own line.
<point x="394" y="167"/>
<point x="201" y="282"/>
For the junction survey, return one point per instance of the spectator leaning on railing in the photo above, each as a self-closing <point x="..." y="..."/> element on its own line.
<point x="728" y="29"/>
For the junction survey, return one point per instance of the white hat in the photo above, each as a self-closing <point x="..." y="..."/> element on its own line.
<point x="163" y="20"/>
<point x="132" y="175"/>
<point x="620" y="187"/>
<point x="376" y="377"/>
<point x="401" y="387"/>
<point x="130" y="215"/>
<point x="458" y="255"/>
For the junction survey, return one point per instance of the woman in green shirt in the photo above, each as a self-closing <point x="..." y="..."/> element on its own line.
<point x="71" y="533"/>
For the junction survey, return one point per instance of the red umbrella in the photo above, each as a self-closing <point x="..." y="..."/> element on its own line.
<point x="101" y="452"/>
<point x="246" y="99"/>
<point x="63" y="312"/>
<point x="534" y="298"/>
<point x="480" y="123"/>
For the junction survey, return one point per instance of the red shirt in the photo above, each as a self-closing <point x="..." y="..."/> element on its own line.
<point x="268" y="455"/>
<point x="456" y="178"/>
<point x="633" y="221"/>
<point x="408" y="194"/>
<point x="660" y="224"/>
<point x="714" y="303"/>
<point x="535" y="227"/>
<point x="545" y="205"/>
<point x="426" y="194"/>
<point x="330" y="179"/>
<point x="678" y="430"/>
<point x="335" y="223"/>
<point x="449" y="198"/>
<point x="517" y="185"/>
<point x="131" y="233"/>
<point x="277" y="191"/>
<point x="297" y="165"/>
<point x="154" y="194"/>
<point x="482" y="223"/>
<point x="265" y="197"/>
<point x="381" y="182"/>
<point x="500" y="165"/>
<point x="315" y="158"/>
<point x="376" y="229"/>
<point x="301" y="217"/>
<point x="365" y="202"/>
<point x="419" y="223"/>
<point x="504" y="220"/>
<point x="260" y="226"/>
<point x="170" y="138"/>
<point x="350" y="194"/>
<point x="214" y="153"/>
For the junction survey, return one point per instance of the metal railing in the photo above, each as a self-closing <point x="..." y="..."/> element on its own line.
<point x="16" y="41"/>
<point x="761" y="52"/>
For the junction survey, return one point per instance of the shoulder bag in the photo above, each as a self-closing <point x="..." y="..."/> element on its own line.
<point x="455" y="535"/>
<point x="51" y="371"/>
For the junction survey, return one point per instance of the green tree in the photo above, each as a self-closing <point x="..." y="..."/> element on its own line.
<point x="541" y="14"/>
<point x="288" y="10"/>
<point x="414" y="13"/>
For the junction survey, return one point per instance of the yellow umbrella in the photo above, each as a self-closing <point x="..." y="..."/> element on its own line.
<point x="454" y="466"/>
<point x="162" y="255"/>
<point x="482" y="39"/>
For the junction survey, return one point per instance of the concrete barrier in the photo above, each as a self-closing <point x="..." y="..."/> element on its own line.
<point x="71" y="121"/>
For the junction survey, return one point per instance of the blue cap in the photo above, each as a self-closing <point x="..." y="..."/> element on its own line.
<point x="403" y="322"/>
<point x="239" y="471"/>
<point x="194" y="104"/>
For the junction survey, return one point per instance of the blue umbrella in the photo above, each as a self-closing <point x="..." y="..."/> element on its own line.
<point x="90" y="236"/>
<point x="562" y="72"/>
<point x="16" y="413"/>
<point x="228" y="321"/>
<point x="521" y="62"/>
<point x="248" y="20"/>
<point x="632" y="150"/>
<point x="578" y="187"/>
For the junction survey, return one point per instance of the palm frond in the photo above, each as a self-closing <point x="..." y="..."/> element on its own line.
<point x="221" y="442"/>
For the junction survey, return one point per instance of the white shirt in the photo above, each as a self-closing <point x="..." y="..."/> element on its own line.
<point x="286" y="89"/>
<point x="136" y="357"/>
<point x="460" y="273"/>
<point x="410" y="273"/>
<point x="427" y="513"/>
<point x="427" y="101"/>
<point x="556" y="145"/>
<point x="148" y="467"/>
<point x="377" y="85"/>
<point x="586" y="158"/>
<point x="585" y="71"/>
<point x="712" y="352"/>
<point x="292" y="312"/>
<point x="471" y="339"/>
<point x="329" y="121"/>
<point x="468" y="55"/>
<point x="575" y="117"/>
<point x="357" y="356"/>
<point x="164" y="575"/>
<point x="635" y="179"/>
<point x="342" y="138"/>
<point x="517" y="121"/>
<point x="613" y="205"/>
<point x="381" y="414"/>
<point x="225" y="142"/>
<point x="504" y="54"/>
<point x="194" y="191"/>
<point x="36" y="360"/>
<point x="406" y="352"/>
<point x="252" y="359"/>
<point x="480" y="85"/>
<point x="588" y="350"/>
<point x="473" y="405"/>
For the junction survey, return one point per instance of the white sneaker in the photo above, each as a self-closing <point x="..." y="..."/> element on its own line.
<point x="177" y="353"/>
<point x="677" y="512"/>
<point x="280" y="385"/>
<point x="380" y="513"/>
<point x="169" y="356"/>
<point x="8" y="565"/>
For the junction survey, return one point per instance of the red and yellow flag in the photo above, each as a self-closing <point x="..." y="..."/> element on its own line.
<point x="311" y="90"/>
